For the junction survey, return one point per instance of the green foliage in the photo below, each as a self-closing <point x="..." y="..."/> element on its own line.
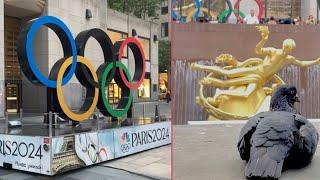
<point x="138" y="8"/>
<point x="164" y="55"/>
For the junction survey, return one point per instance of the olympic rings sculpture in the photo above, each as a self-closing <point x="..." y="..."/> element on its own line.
<point x="74" y="63"/>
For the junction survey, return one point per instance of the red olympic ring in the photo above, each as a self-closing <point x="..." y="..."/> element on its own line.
<point x="259" y="3"/>
<point x="133" y="42"/>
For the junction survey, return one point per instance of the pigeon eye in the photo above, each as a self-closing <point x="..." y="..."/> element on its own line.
<point x="292" y="92"/>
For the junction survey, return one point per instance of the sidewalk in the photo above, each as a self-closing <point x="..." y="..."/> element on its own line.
<point x="155" y="163"/>
<point x="149" y="165"/>
<point x="88" y="173"/>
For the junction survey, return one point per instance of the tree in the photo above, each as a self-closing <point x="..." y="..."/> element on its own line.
<point x="138" y="8"/>
<point x="164" y="56"/>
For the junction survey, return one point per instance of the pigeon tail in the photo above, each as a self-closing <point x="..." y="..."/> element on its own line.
<point x="263" y="168"/>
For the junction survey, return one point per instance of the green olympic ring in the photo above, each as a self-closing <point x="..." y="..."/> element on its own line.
<point x="224" y="14"/>
<point x="114" y="112"/>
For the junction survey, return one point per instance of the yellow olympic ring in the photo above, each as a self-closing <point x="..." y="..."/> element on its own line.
<point x="193" y="11"/>
<point x="64" y="107"/>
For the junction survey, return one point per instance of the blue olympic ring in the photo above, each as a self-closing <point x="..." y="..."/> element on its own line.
<point x="56" y="23"/>
<point x="198" y="6"/>
<point x="174" y="13"/>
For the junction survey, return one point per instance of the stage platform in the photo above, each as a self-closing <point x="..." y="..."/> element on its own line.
<point x="37" y="148"/>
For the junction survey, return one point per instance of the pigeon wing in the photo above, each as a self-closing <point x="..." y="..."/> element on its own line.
<point x="247" y="130"/>
<point x="306" y="140"/>
<point x="270" y="145"/>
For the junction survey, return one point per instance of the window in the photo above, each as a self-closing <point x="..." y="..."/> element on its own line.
<point x="164" y="10"/>
<point x="114" y="93"/>
<point x="145" y="42"/>
<point x="164" y="29"/>
<point x="164" y="3"/>
<point x="145" y="88"/>
<point x="117" y="35"/>
<point x="164" y="7"/>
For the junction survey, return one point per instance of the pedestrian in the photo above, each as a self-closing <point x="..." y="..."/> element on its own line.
<point x="168" y="97"/>
<point x="310" y="20"/>
<point x="298" y="21"/>
<point x="251" y="18"/>
<point x="272" y="20"/>
<point x="288" y="20"/>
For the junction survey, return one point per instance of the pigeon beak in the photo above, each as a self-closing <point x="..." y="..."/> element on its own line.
<point x="296" y="98"/>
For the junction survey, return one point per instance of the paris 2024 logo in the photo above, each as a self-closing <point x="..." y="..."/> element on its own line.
<point x="125" y="142"/>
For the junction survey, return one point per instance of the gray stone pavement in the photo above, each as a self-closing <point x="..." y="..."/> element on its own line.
<point x="209" y="152"/>
<point x="96" y="172"/>
<point x="154" y="163"/>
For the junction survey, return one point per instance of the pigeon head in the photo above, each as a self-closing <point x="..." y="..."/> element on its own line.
<point x="284" y="98"/>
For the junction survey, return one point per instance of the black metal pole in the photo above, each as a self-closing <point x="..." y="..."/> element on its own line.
<point x="180" y="9"/>
<point x="209" y="4"/>
<point x="265" y="9"/>
<point x="291" y="11"/>
<point x="317" y="12"/>
<point x="239" y="8"/>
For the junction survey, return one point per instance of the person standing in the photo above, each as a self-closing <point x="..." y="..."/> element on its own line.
<point x="168" y="97"/>
<point x="272" y="20"/>
<point x="251" y="18"/>
<point x="310" y="20"/>
<point x="298" y="21"/>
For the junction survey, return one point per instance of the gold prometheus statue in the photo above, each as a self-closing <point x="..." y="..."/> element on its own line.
<point x="242" y="87"/>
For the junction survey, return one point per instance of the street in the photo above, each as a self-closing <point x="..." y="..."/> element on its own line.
<point x="210" y="152"/>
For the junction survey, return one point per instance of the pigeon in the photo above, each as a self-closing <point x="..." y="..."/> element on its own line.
<point x="279" y="139"/>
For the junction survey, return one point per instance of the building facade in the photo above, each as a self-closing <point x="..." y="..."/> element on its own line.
<point x="281" y="9"/>
<point x="309" y="8"/>
<point x="165" y="18"/>
<point x="18" y="94"/>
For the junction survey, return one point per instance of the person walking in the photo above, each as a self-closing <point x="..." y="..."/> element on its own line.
<point x="168" y="97"/>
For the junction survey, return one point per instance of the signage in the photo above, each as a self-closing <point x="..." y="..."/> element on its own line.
<point x="24" y="153"/>
<point x="135" y="139"/>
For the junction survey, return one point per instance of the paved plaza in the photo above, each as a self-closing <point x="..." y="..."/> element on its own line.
<point x="210" y="152"/>
<point x="154" y="163"/>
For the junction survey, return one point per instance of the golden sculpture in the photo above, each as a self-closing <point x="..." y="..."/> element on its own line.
<point x="242" y="86"/>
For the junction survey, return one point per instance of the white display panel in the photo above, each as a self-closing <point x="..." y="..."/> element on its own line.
<point x="139" y="138"/>
<point x="60" y="154"/>
<point x="24" y="153"/>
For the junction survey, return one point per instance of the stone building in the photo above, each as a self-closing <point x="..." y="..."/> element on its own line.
<point x="281" y="9"/>
<point x="18" y="93"/>
<point x="165" y="18"/>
